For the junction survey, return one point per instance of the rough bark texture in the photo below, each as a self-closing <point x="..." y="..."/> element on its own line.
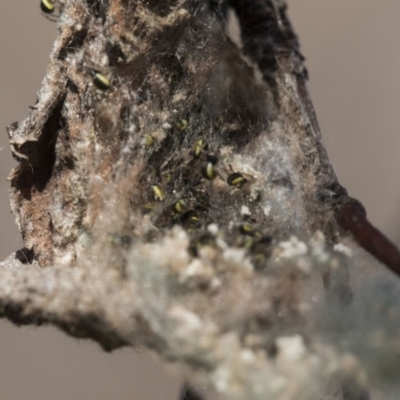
<point x="186" y="206"/>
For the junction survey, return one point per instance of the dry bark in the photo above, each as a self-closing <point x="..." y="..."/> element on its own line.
<point x="188" y="206"/>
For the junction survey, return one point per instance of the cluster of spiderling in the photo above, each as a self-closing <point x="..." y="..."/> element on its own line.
<point x="185" y="195"/>
<point x="178" y="190"/>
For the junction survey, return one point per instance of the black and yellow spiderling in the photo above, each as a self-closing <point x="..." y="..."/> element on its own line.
<point x="180" y="207"/>
<point x="199" y="147"/>
<point x="207" y="170"/>
<point x="246" y="229"/>
<point x="236" y="179"/>
<point x="158" y="193"/>
<point x="147" y="141"/>
<point x="182" y="124"/>
<point x="100" y="81"/>
<point x="47" y="6"/>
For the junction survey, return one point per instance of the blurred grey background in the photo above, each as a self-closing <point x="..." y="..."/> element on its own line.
<point x="352" y="51"/>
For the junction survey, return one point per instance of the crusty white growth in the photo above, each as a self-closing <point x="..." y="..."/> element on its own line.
<point x="342" y="248"/>
<point x="291" y="249"/>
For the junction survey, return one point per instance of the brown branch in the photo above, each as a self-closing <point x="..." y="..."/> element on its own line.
<point x="180" y="186"/>
<point x="67" y="298"/>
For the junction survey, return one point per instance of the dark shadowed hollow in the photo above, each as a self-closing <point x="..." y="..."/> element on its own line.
<point x="354" y="65"/>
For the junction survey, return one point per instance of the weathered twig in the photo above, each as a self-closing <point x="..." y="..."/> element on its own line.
<point x="179" y="186"/>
